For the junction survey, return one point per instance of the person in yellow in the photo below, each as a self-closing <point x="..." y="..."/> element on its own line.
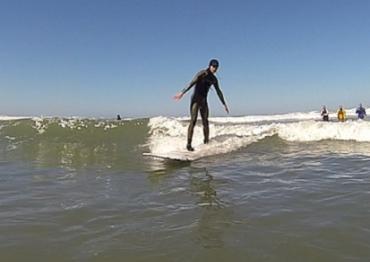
<point x="341" y="114"/>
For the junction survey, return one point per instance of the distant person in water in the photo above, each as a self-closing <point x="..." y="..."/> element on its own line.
<point x="341" y="114"/>
<point x="118" y="117"/>
<point x="325" y="114"/>
<point x="361" y="112"/>
<point x="202" y="81"/>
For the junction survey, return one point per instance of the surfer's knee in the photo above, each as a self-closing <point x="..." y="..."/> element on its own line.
<point x="205" y="122"/>
<point x="193" y="121"/>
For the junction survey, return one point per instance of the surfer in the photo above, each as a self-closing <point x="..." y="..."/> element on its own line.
<point x="341" y="114"/>
<point x="361" y="112"/>
<point x="203" y="80"/>
<point x="325" y="114"/>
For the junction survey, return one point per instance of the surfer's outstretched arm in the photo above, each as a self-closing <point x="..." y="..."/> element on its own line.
<point x="221" y="96"/>
<point x="179" y="95"/>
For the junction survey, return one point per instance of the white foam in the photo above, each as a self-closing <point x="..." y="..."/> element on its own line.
<point x="313" y="115"/>
<point x="72" y="123"/>
<point x="356" y="130"/>
<point x="8" y="118"/>
<point x="109" y="126"/>
<point x="39" y="125"/>
<point x="168" y="135"/>
<point x="262" y="118"/>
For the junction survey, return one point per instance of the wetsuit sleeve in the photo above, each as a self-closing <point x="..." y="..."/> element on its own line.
<point x="193" y="82"/>
<point x="219" y="92"/>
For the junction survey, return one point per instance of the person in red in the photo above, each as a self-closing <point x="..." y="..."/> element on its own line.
<point x="202" y="81"/>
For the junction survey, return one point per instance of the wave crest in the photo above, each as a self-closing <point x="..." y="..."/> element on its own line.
<point x="169" y="135"/>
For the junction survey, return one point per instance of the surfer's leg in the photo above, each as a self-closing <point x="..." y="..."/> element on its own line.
<point x="194" y="115"/>
<point x="204" y="114"/>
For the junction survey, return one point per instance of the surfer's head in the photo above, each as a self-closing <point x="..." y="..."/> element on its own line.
<point x="213" y="65"/>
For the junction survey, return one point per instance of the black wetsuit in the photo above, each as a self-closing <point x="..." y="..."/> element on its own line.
<point x="325" y="115"/>
<point x="203" y="80"/>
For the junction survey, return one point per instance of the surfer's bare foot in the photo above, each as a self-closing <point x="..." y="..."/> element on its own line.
<point x="189" y="148"/>
<point x="205" y="141"/>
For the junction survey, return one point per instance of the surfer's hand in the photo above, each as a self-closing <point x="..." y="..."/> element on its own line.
<point x="178" y="96"/>
<point x="226" y="109"/>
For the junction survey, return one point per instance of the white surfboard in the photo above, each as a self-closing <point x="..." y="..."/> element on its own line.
<point x="181" y="154"/>
<point x="175" y="155"/>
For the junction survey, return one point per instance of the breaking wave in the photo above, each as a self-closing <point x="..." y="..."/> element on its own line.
<point x="233" y="133"/>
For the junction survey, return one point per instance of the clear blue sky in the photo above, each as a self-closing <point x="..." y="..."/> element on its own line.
<point x="100" y="58"/>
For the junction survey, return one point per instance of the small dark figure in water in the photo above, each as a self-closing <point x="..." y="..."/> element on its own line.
<point x="325" y="114"/>
<point x="361" y="112"/>
<point x="118" y="117"/>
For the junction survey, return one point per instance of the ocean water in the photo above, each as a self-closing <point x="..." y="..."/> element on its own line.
<point x="267" y="188"/>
